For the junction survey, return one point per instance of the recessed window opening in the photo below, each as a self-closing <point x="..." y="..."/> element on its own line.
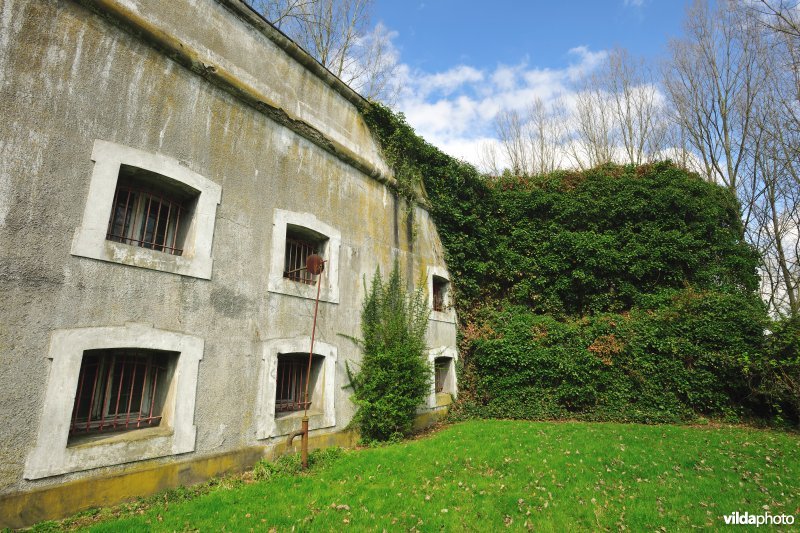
<point x="300" y="243"/>
<point x="439" y="293"/>
<point x="121" y="390"/>
<point x="441" y="367"/>
<point x="151" y="211"/>
<point x="291" y="382"/>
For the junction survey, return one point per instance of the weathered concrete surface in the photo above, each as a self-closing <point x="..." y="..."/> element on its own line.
<point x="71" y="75"/>
<point x="23" y="509"/>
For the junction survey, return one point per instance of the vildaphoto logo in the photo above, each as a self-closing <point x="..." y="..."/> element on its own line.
<point x="766" y="519"/>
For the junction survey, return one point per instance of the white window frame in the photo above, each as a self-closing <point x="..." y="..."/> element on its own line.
<point x="276" y="283"/>
<point x="90" y="237"/>
<point x="175" y="434"/>
<point x="450" y="384"/>
<point x="267" y="425"/>
<point x="449" y="313"/>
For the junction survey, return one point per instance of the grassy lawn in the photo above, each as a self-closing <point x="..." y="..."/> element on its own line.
<point x="486" y="475"/>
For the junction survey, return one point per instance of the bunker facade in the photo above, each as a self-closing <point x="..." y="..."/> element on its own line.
<point x="165" y="169"/>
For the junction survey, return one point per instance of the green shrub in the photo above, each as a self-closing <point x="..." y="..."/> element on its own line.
<point x="290" y="465"/>
<point x="394" y="376"/>
<point x="689" y="356"/>
<point x="776" y="376"/>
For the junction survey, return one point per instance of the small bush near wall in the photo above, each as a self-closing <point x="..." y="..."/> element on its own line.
<point x="394" y="376"/>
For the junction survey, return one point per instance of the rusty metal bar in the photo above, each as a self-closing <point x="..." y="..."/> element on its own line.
<point x="91" y="398"/>
<point x="110" y="368"/>
<point x="438" y="296"/>
<point x="153" y="391"/>
<point x="291" y="375"/>
<point x="141" y="398"/>
<point x="130" y="395"/>
<point x="148" y="208"/>
<point x="119" y="392"/>
<point x="314" y="266"/>
<point x="106" y="394"/>
<point x="75" y="405"/>
<point x="297" y="250"/>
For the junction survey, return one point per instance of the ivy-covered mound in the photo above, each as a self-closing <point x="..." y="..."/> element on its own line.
<point x="619" y="293"/>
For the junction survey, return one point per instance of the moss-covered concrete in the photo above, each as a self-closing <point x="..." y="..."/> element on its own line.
<point x="27" y="508"/>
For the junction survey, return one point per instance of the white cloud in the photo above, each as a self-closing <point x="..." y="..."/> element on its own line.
<point x="455" y="109"/>
<point x="448" y="81"/>
<point x="633" y="3"/>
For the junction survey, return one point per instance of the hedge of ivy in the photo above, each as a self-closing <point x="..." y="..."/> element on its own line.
<point x="619" y="293"/>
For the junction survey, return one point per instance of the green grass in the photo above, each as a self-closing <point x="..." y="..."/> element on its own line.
<point x="485" y="475"/>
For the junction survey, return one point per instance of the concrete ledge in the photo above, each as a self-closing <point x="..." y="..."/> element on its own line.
<point x="426" y="419"/>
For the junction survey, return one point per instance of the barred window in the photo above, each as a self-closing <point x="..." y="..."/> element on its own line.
<point x="300" y="243"/>
<point x="441" y="368"/>
<point x="440" y="286"/>
<point x="150" y="211"/>
<point x="121" y="390"/>
<point x="291" y="382"/>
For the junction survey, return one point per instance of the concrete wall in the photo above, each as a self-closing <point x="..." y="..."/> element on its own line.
<point x="206" y="85"/>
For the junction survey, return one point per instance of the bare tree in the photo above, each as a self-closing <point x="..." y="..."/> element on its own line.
<point x="678" y="148"/>
<point x="594" y="136"/>
<point x="282" y="12"/>
<point x="781" y="16"/>
<point x="546" y="135"/>
<point x="713" y="80"/>
<point x="337" y="33"/>
<point x="489" y="159"/>
<point x="773" y="226"/>
<point x="636" y="106"/>
<point x="772" y="216"/>
<point x="781" y="45"/>
<point x="531" y="143"/>
<point x="732" y="82"/>
<point x="510" y="128"/>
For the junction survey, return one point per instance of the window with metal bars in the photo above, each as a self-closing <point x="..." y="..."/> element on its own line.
<point x="441" y="367"/>
<point x="439" y="293"/>
<point x="149" y="211"/>
<point x="291" y="382"/>
<point x="121" y="390"/>
<point x="300" y="243"/>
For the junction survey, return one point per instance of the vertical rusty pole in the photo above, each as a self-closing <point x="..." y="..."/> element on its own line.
<point x="315" y="266"/>
<point x="304" y="443"/>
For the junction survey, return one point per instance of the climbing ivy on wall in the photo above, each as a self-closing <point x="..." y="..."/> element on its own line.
<point x="622" y="293"/>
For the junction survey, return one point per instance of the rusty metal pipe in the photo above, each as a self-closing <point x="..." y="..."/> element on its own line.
<point x="315" y="265"/>
<point x="303" y="433"/>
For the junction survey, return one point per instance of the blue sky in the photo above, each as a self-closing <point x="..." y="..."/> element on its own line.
<point x="464" y="61"/>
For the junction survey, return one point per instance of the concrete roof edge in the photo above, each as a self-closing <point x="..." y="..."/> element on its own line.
<point x="227" y="81"/>
<point x="295" y="51"/>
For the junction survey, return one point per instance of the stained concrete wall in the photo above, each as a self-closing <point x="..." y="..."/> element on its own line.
<point x="206" y="83"/>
